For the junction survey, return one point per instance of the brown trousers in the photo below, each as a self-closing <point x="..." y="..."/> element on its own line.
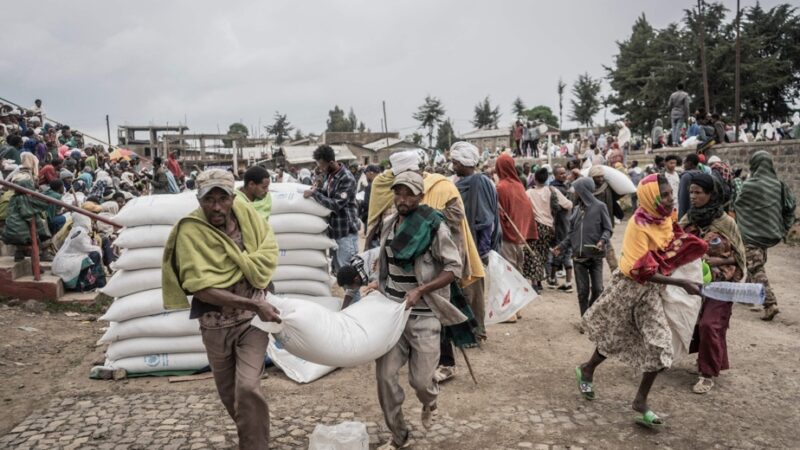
<point x="236" y="356"/>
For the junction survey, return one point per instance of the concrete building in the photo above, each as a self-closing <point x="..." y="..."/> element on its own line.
<point x="336" y="137"/>
<point x="301" y="156"/>
<point x="491" y="138"/>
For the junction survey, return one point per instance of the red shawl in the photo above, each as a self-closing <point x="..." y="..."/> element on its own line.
<point x="512" y="199"/>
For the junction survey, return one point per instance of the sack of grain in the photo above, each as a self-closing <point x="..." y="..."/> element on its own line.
<point x="139" y="258"/>
<point x="154" y="345"/>
<point x="298" y="223"/>
<point x="164" y="209"/>
<point x="143" y="236"/>
<point x="126" y="282"/>
<point x="170" y="324"/>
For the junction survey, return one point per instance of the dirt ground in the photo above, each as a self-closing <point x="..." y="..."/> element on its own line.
<point x="531" y="361"/>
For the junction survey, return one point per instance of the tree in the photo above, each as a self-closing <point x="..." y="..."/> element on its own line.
<point x="280" y="128"/>
<point x="416" y="138"/>
<point x="485" y="115"/>
<point x="362" y="128"/>
<point x="585" y="104"/>
<point x="298" y="135"/>
<point x="518" y="107"/>
<point x="445" y="136"/>
<point x="542" y="114"/>
<point x="429" y="115"/>
<point x="561" y="86"/>
<point x="337" y="122"/>
<point x="235" y="128"/>
<point x="352" y="120"/>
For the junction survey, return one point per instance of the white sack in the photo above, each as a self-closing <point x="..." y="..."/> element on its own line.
<point x="297" y="223"/>
<point x="506" y="290"/>
<point x="351" y="337"/>
<point x="139" y="258"/>
<point x="160" y="209"/>
<point x="288" y="187"/>
<point x="289" y="202"/>
<point x="682" y="309"/>
<point x="154" y="345"/>
<point x="143" y="236"/>
<point x="299" y="241"/>
<point x="296" y="369"/>
<point x="126" y="282"/>
<point x="171" y="324"/>
<point x="290" y="273"/>
<point x="308" y="258"/>
<point x="161" y="362"/>
<point x="618" y="181"/>
<point x="690" y="142"/>
<point x="140" y="304"/>
<point x="304" y="287"/>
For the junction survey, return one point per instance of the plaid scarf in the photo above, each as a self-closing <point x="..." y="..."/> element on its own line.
<point x="462" y="334"/>
<point x="414" y="235"/>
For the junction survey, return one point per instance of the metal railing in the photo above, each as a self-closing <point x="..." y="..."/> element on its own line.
<point x="35" y="263"/>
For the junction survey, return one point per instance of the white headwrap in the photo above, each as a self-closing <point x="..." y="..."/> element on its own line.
<point x="465" y="153"/>
<point x="404" y="161"/>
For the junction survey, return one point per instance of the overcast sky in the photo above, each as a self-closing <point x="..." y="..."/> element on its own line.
<point x="212" y="63"/>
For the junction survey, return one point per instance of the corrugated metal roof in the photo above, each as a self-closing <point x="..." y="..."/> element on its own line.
<point x="478" y="134"/>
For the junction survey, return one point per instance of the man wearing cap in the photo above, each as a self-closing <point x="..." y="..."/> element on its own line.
<point x="338" y="193"/>
<point x="224" y="254"/>
<point x="418" y="261"/>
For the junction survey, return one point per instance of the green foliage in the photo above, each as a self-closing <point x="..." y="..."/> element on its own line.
<point x="416" y="138"/>
<point x="338" y="122"/>
<point x="429" y="115"/>
<point x="280" y="128"/>
<point x="445" y="135"/>
<point x="235" y="128"/>
<point x="518" y="107"/>
<point x="542" y="114"/>
<point x="586" y="102"/>
<point x="298" y="135"/>
<point x="485" y="115"/>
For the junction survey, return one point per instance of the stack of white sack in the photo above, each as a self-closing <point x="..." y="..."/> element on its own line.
<point x="142" y="336"/>
<point x="314" y="336"/>
<point x="300" y="227"/>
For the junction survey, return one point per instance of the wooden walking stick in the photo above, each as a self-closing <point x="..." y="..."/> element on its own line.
<point x="514" y="226"/>
<point x="469" y="366"/>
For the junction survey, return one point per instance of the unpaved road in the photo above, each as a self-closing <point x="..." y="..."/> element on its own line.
<point x="755" y="404"/>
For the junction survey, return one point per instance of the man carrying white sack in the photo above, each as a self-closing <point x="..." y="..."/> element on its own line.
<point x="418" y="261"/>
<point x="224" y="254"/>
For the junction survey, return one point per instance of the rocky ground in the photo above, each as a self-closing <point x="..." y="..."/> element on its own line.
<point x="526" y="396"/>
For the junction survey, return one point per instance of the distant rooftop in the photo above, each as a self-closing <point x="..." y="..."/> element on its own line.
<point x="154" y="127"/>
<point x="478" y="134"/>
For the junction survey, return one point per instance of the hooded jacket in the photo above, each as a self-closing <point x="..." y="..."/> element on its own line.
<point x="588" y="224"/>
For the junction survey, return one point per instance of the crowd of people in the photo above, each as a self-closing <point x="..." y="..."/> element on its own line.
<point x="427" y="230"/>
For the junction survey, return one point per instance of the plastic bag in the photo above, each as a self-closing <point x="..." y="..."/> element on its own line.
<point x="344" y="436"/>
<point x="506" y="290"/>
<point x="682" y="309"/>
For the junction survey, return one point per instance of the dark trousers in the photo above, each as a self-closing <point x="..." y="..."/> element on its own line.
<point x="589" y="281"/>
<point x="446" y="356"/>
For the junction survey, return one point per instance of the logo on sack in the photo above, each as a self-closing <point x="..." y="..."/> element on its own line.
<point x="155" y="360"/>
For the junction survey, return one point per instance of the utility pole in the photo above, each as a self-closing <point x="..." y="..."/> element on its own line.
<point x="736" y="82"/>
<point x="702" y="39"/>
<point x="108" y="127"/>
<point x="385" y="123"/>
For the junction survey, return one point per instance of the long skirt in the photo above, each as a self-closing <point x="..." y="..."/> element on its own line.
<point x="628" y="321"/>
<point x="710" y="336"/>
<point x="533" y="266"/>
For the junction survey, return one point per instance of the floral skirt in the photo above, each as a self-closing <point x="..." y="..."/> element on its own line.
<point x="628" y="321"/>
<point x="533" y="267"/>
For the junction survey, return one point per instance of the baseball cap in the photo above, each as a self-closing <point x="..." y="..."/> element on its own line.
<point x="411" y="180"/>
<point x="214" y="178"/>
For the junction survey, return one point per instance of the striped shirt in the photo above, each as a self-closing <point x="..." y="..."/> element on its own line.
<point x="399" y="281"/>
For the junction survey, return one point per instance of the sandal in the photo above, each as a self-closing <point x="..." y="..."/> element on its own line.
<point x="703" y="386"/>
<point x="650" y="420"/>
<point x="586" y="387"/>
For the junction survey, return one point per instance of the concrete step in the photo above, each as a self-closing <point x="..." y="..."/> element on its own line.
<point x="81" y="298"/>
<point x="10" y="270"/>
<point x="6" y="250"/>
<point x="49" y="287"/>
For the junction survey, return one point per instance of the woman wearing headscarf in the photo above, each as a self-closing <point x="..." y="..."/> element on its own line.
<point x="657" y="134"/>
<point x="707" y="220"/>
<point x="629" y="319"/>
<point x="28" y="169"/>
<point x="516" y="213"/>
<point x="764" y="213"/>
<point x="79" y="262"/>
<point x="589" y="232"/>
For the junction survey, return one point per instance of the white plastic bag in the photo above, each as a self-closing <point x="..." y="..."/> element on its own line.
<point x="161" y="209"/>
<point x="160" y="362"/>
<point x="140" y="304"/>
<point x="298" y="223"/>
<point x="299" y="241"/>
<point x="143" y="236"/>
<point x="289" y="202"/>
<point x="344" y="436"/>
<point x="154" y="345"/>
<point x="139" y="258"/>
<point x="126" y="282"/>
<point x="682" y="309"/>
<point x="351" y="337"/>
<point x="175" y="323"/>
<point x="303" y="287"/>
<point x="300" y="273"/>
<point x="308" y="258"/>
<point x="506" y="290"/>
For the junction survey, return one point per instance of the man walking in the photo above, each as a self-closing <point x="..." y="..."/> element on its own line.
<point x="679" y="113"/>
<point x="338" y="193"/>
<point x="608" y="197"/>
<point x="224" y="254"/>
<point x="418" y="261"/>
<point x="160" y="183"/>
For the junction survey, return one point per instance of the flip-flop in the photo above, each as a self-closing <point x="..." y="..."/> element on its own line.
<point x="650" y="420"/>
<point x="586" y="387"/>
